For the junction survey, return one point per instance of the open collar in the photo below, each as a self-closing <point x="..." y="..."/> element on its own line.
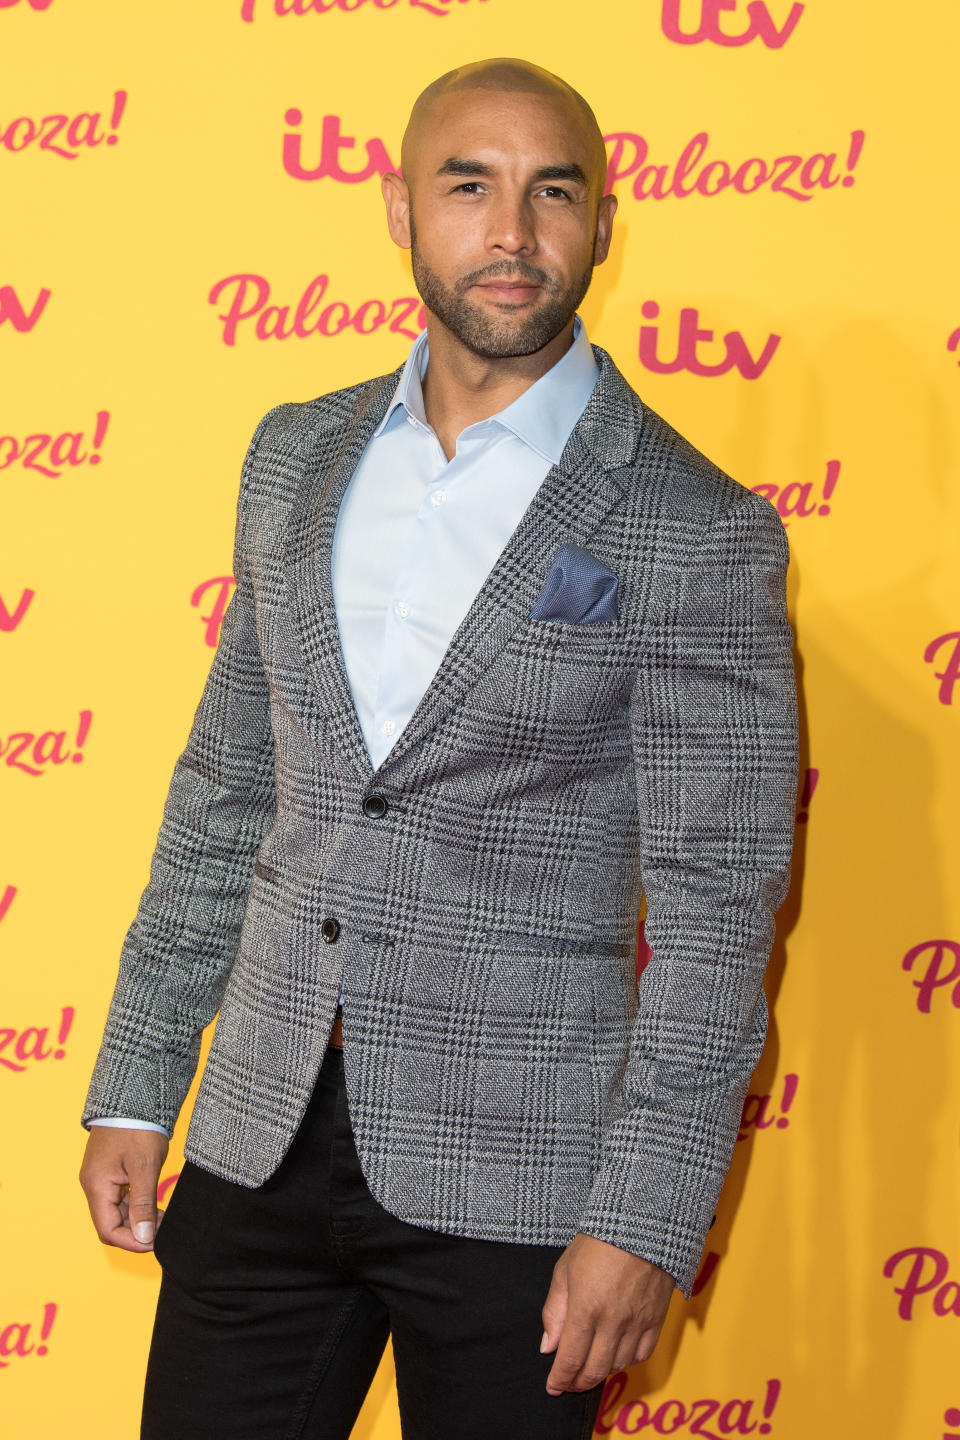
<point x="542" y="418"/>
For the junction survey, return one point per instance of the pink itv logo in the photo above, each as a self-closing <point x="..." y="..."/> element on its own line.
<point x="687" y="354"/>
<point x="760" y="24"/>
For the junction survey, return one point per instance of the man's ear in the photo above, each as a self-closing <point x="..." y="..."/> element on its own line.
<point x="396" y="197"/>
<point x="605" y="214"/>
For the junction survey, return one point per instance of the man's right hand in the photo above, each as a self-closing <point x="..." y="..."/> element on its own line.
<point x="119" y="1175"/>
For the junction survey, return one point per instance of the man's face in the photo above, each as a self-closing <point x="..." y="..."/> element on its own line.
<point x="503" y="219"/>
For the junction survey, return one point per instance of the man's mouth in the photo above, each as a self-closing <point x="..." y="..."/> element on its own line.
<point x="509" y="292"/>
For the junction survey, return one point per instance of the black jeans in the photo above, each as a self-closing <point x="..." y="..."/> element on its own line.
<point x="277" y="1302"/>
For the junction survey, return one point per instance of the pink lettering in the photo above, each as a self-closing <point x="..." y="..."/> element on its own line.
<point x="668" y="1417"/>
<point x="10" y="619"/>
<point x="927" y="1272"/>
<point x="282" y="8"/>
<point x="936" y="975"/>
<point x="83" y="131"/>
<point x="236" y="312"/>
<point x="760" y="24"/>
<point x="612" y="1392"/>
<point x="628" y="158"/>
<point x="222" y="587"/>
<point x="250" y="293"/>
<point x="734" y="1418"/>
<point x="690" y="336"/>
<point x="947" y="1300"/>
<point x="16" y="1338"/>
<point x="31" y="1045"/>
<point x="332" y="143"/>
<point x="759" y="1112"/>
<point x="19" y="1047"/>
<point x="12" y="310"/>
<point x="951" y="672"/>
<point x="165" y="1187"/>
<point x="46" y="749"/>
<point x="48" y="454"/>
<point x="798" y="499"/>
<point x="710" y="1418"/>
<point x="617" y="167"/>
<point x="690" y="157"/>
<point x="6" y="899"/>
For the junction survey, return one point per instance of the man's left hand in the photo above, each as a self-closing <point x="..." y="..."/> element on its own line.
<point x="604" y="1311"/>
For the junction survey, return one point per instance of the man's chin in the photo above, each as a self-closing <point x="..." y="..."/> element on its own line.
<point x="505" y="338"/>
<point x="507" y="350"/>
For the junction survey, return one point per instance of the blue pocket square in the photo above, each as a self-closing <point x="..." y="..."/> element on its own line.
<point x="579" y="590"/>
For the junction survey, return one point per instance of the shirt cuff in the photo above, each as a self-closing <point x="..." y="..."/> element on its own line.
<point x="121" y="1122"/>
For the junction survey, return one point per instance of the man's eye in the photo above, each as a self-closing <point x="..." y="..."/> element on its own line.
<point x="554" y="192"/>
<point x="470" y="187"/>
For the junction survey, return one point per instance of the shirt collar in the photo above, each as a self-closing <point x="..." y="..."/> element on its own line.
<point x="408" y="395"/>
<point x="542" y="417"/>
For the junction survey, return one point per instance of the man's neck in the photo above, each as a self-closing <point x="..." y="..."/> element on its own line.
<point x="460" y="388"/>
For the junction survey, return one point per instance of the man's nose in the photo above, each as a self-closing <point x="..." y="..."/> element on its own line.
<point x="510" y="227"/>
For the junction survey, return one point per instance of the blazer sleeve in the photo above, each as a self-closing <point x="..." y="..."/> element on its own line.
<point x="715" y="742"/>
<point x="179" y="950"/>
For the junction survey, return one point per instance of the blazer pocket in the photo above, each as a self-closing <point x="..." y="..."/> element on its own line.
<point x="582" y="627"/>
<point x="578" y="589"/>
<point x="556" y="637"/>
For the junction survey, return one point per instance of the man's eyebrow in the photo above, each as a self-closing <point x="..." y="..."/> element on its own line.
<point x="561" y="172"/>
<point x="454" y="165"/>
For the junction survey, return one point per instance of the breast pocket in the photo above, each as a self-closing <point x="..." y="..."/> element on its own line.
<point x="577" y="673"/>
<point x="565" y="632"/>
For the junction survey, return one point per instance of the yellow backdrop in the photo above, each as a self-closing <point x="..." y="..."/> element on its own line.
<point x="176" y="177"/>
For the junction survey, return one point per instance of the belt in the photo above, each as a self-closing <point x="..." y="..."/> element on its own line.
<point x="336" y="1034"/>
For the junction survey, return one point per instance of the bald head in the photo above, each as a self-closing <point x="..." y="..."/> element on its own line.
<point x="509" y="77"/>
<point x="501" y="206"/>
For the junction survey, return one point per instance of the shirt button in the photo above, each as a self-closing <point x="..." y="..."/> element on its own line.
<point x="402" y="609"/>
<point x="374" y="806"/>
<point x="438" y="497"/>
<point x="329" y="930"/>
<point x="388" y="727"/>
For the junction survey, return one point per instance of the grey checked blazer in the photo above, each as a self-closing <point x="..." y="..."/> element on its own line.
<point x="506" y="1077"/>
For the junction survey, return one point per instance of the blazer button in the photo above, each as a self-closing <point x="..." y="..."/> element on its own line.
<point x="374" y="806"/>
<point x="330" y="929"/>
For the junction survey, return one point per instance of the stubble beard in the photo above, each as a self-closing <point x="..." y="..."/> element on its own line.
<point x="490" y="336"/>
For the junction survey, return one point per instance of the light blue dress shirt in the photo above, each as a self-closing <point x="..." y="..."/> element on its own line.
<point x="417" y="535"/>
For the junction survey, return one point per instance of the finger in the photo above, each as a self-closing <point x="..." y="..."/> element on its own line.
<point x="598" y="1362"/>
<point x="142" y="1178"/>
<point x="645" y="1345"/>
<point x="104" y="1199"/>
<point x="554" y="1312"/>
<point x="125" y="1209"/>
<point x="626" y="1352"/>
<point x="575" y="1343"/>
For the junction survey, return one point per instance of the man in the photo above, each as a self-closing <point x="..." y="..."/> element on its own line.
<point x="504" y="651"/>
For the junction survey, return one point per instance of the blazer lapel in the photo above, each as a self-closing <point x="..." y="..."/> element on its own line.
<point x="569" y="505"/>
<point x="328" y="469"/>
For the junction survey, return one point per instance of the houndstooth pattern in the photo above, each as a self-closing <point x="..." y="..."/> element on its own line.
<point x="506" y="1077"/>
